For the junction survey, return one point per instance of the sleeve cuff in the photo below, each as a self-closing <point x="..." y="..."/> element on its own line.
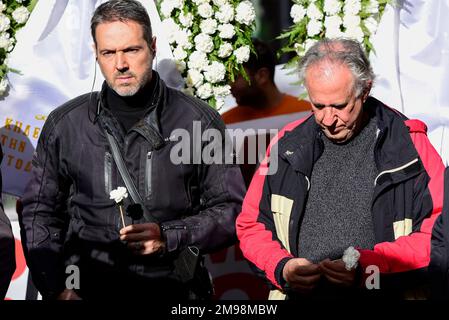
<point x="278" y="273"/>
<point x="175" y="235"/>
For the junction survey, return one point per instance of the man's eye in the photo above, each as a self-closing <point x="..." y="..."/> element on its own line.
<point x="107" y="54"/>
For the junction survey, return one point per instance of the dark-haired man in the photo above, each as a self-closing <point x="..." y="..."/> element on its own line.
<point x="184" y="209"/>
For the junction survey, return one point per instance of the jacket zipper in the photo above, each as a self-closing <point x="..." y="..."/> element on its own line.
<point x="148" y="173"/>
<point x="108" y="172"/>
<point x="395" y="169"/>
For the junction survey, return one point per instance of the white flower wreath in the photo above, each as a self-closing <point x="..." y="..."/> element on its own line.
<point x="210" y="40"/>
<point x="317" y="19"/>
<point x="13" y="16"/>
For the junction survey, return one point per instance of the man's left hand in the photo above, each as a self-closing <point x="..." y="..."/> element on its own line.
<point x="143" y="238"/>
<point x="336" y="272"/>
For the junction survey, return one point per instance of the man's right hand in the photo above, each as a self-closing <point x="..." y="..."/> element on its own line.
<point x="301" y="274"/>
<point x="68" y="294"/>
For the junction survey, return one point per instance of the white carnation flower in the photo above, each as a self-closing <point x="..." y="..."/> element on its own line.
<point x="351" y="21"/>
<point x="198" y="61"/>
<point x="309" y="43"/>
<point x="205" y="10"/>
<point x="351" y="258"/>
<point x="297" y="13"/>
<point x="245" y="13"/>
<point x="200" y="2"/>
<point x="182" y="38"/>
<point x="372" y="7"/>
<point x="227" y="31"/>
<point x="299" y="48"/>
<point x="167" y="8"/>
<point x="314" y="27"/>
<point x="332" y="7"/>
<point x="12" y="42"/>
<point x="222" y="91"/>
<point x="314" y="13"/>
<point x="225" y="50"/>
<point x="225" y="14"/>
<point x="332" y="25"/>
<point x="2" y="6"/>
<point x="242" y="54"/>
<point x="194" y="78"/>
<point x="220" y="3"/>
<point x="180" y="66"/>
<point x="215" y="72"/>
<point x="204" y="43"/>
<point x="352" y="7"/>
<point x="4" y="41"/>
<point x="186" y="19"/>
<point x="208" y="26"/>
<point x="4" y="23"/>
<point x="355" y="33"/>
<point x="179" y="53"/>
<point x="205" y="91"/>
<point x="178" y="4"/>
<point x="118" y="194"/>
<point x="371" y="24"/>
<point x="3" y="86"/>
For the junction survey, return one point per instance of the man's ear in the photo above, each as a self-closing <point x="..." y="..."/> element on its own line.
<point x="262" y="76"/>
<point x="153" y="46"/>
<point x="367" y="90"/>
<point x="94" y="47"/>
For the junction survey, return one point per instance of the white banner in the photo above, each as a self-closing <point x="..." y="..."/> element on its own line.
<point x="412" y="65"/>
<point x="55" y="57"/>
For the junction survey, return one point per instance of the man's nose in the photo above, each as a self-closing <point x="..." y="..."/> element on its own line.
<point x="120" y="62"/>
<point x="328" y="116"/>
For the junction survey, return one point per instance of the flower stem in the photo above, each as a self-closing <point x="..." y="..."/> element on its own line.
<point x="123" y="218"/>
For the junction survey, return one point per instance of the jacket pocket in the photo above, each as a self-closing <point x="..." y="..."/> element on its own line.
<point x="108" y="173"/>
<point x="148" y="173"/>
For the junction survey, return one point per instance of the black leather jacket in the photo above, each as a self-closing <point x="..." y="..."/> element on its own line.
<point x="68" y="217"/>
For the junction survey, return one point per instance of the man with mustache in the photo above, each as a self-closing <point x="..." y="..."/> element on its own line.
<point x="355" y="173"/>
<point x="175" y="212"/>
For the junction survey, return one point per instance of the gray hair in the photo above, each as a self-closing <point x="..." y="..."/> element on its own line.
<point x="341" y="50"/>
<point x="122" y="10"/>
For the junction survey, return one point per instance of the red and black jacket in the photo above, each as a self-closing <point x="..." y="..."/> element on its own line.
<point x="406" y="201"/>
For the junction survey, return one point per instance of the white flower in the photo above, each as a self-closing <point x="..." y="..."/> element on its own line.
<point x="198" y="61"/>
<point x="194" y="78"/>
<point x="222" y="91"/>
<point x="182" y="38"/>
<point x="225" y="14"/>
<point x="11" y="44"/>
<point x="225" y="50"/>
<point x="371" y="24"/>
<point x="352" y="7"/>
<point x="200" y="2"/>
<point x="299" y="48"/>
<point x="186" y="19"/>
<point x="351" y="258"/>
<point x="204" y="43"/>
<point x="189" y="91"/>
<point x="245" y="13"/>
<point x="227" y="31"/>
<point x="180" y="66"/>
<point x="205" y="91"/>
<point x="4" y="41"/>
<point x="208" y="26"/>
<point x="171" y="28"/>
<point x="332" y="25"/>
<point x="4" y="22"/>
<point x="215" y="72"/>
<point x="332" y="7"/>
<point x="205" y="10"/>
<point x="179" y="53"/>
<point x="3" y="86"/>
<point x="242" y="54"/>
<point x="297" y="13"/>
<point x="355" y="33"/>
<point x="372" y="7"/>
<point x="220" y="3"/>
<point x="309" y="43"/>
<point x="118" y="194"/>
<point x="177" y="4"/>
<point x="314" y="13"/>
<point x="314" y="27"/>
<point x="2" y="6"/>
<point x="351" y="21"/>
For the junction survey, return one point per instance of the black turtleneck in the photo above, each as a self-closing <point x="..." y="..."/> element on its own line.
<point x="129" y="110"/>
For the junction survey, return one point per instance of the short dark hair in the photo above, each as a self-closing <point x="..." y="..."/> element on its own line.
<point x="122" y="10"/>
<point x="264" y="57"/>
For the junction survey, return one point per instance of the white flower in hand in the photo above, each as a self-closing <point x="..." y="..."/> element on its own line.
<point x="351" y="258"/>
<point x="118" y="194"/>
